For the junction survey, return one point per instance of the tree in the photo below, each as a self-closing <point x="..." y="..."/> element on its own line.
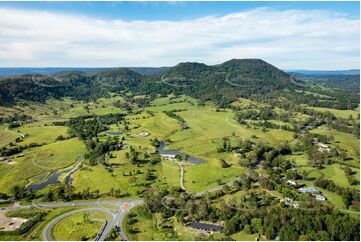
<point x="288" y="233"/>
<point x="18" y="192"/>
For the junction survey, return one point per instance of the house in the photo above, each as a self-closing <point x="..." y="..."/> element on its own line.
<point x="320" y="197"/>
<point x="206" y="227"/>
<point x="5" y="159"/>
<point x="311" y="190"/>
<point x="289" y="202"/>
<point x="323" y="147"/>
<point x="237" y="154"/>
<point x="168" y="156"/>
<point x="292" y="182"/>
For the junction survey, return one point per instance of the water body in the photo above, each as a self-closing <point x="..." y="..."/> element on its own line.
<point x="191" y="159"/>
<point x="54" y="177"/>
<point x="113" y="133"/>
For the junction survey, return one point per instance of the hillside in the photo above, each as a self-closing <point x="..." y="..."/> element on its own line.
<point x="222" y="84"/>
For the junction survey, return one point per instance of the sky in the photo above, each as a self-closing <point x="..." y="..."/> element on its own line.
<point x="289" y="35"/>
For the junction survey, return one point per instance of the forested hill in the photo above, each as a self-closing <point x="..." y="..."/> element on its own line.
<point x="223" y="83"/>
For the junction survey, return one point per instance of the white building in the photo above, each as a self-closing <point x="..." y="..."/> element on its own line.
<point x="168" y="156"/>
<point x="292" y="182"/>
<point x="311" y="190"/>
<point x="320" y="197"/>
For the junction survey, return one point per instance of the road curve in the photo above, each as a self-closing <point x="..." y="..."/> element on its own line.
<point x="47" y="232"/>
<point x="115" y="218"/>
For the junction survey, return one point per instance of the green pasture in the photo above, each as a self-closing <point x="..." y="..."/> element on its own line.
<point x="345" y="141"/>
<point x="40" y="160"/>
<point x="80" y="226"/>
<point x="41" y="134"/>
<point x="340" y="113"/>
<point x="99" y="178"/>
<point x="7" y="135"/>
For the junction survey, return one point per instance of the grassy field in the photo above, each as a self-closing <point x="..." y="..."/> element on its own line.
<point x="41" y="134"/>
<point x="7" y="136"/>
<point x="340" y="113"/>
<point x="80" y="226"/>
<point x="244" y="236"/>
<point x="40" y="160"/>
<point x="99" y="178"/>
<point x="345" y="141"/>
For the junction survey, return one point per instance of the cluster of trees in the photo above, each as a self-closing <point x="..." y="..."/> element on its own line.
<point x="349" y="174"/>
<point x="264" y="113"/>
<point x="25" y="227"/>
<point x="66" y="192"/>
<point x="243" y="146"/>
<point x="12" y="150"/>
<point x="15" y="118"/>
<point x="89" y="126"/>
<point x="265" y="153"/>
<point x="97" y="150"/>
<point x="270" y="125"/>
<point x="172" y="114"/>
<point x="286" y="223"/>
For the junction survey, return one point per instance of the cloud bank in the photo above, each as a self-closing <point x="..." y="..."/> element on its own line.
<point x="289" y="39"/>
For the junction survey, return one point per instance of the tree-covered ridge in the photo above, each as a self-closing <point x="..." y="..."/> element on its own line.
<point x="222" y="84"/>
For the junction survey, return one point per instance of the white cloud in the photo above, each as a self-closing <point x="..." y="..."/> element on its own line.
<point x="288" y="39"/>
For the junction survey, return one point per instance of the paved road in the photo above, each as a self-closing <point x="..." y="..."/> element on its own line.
<point x="218" y="188"/>
<point x="47" y="235"/>
<point x="115" y="218"/>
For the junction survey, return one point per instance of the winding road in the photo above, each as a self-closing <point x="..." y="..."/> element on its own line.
<point x="115" y="217"/>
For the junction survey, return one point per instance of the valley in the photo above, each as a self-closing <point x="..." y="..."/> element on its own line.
<point x="188" y="145"/>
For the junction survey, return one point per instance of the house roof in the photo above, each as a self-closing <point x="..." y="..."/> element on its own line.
<point x="204" y="226"/>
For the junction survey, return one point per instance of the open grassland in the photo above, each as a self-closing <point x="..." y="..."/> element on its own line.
<point x="80" y="226"/>
<point x="345" y="141"/>
<point x="41" y="134"/>
<point x="40" y="160"/>
<point x="340" y="113"/>
<point x="128" y="178"/>
<point x="332" y="172"/>
<point x="7" y="136"/>
<point x="244" y="236"/>
<point x="202" y="138"/>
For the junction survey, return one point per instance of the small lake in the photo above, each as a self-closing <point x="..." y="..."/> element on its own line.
<point x="113" y="133"/>
<point x="191" y="159"/>
<point x="54" y="177"/>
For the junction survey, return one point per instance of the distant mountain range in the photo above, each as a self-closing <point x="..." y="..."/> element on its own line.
<point x="14" y="71"/>
<point x="222" y="83"/>
<point x="325" y="73"/>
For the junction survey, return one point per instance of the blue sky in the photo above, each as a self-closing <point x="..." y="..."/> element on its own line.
<point x="176" y="10"/>
<point x="290" y="35"/>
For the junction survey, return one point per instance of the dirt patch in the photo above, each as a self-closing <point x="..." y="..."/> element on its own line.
<point x="10" y="223"/>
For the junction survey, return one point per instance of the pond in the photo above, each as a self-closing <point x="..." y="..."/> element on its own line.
<point x="191" y="159"/>
<point x="54" y="177"/>
<point x="113" y="133"/>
